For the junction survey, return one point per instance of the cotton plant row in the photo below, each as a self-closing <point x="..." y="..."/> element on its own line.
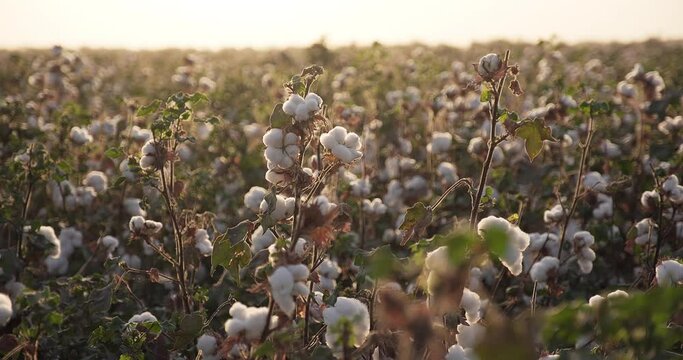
<point x="307" y="270"/>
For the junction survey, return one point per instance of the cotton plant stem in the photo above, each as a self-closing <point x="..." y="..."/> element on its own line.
<point x="582" y="166"/>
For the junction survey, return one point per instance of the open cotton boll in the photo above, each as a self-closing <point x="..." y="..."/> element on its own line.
<point x="669" y="273"/>
<point x="261" y="240"/>
<point x="85" y="195"/>
<point x="69" y="238"/>
<point x="604" y="208"/>
<point x="49" y="234"/>
<point x="672" y="189"/>
<point x="626" y="90"/>
<point x="593" y="181"/>
<point x="133" y="208"/>
<point x="329" y="271"/>
<point x="646" y="232"/>
<point x="202" y="242"/>
<point x="254" y="197"/>
<point x="139" y="225"/>
<point x="344" y="145"/>
<point x="471" y="303"/>
<point x="671" y="125"/>
<point x="302" y="108"/>
<point x="457" y="352"/>
<point x="286" y="283"/>
<point x="282" y="150"/>
<point x="248" y="321"/>
<point x="550" y="357"/>
<point x="125" y="170"/>
<point x="448" y="173"/>
<point x="299" y="249"/>
<point x="145" y="317"/>
<point x="361" y="187"/>
<point x="470" y="336"/>
<point x="80" y="136"/>
<point x="5" y="309"/>
<point x="441" y="142"/>
<point x="324" y="204"/>
<point x="489" y="65"/>
<point x="649" y="199"/>
<point x="148" y="158"/>
<point x="554" y="215"/>
<point x="597" y="300"/>
<point x="544" y="269"/>
<point x="57" y="265"/>
<point x="97" y="180"/>
<point x="284" y="207"/>
<point x="208" y="345"/>
<point x="109" y="243"/>
<point x="347" y="315"/>
<point x="374" y="207"/>
<point x="140" y="135"/>
<point x="581" y="241"/>
<point x="516" y="241"/>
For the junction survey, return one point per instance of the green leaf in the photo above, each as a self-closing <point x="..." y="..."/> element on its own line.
<point x="534" y="132"/>
<point x="278" y="118"/>
<point x="55" y="318"/>
<point x="197" y="97"/>
<point x="267" y="350"/>
<point x="417" y="218"/>
<point x="189" y="329"/>
<point x="485" y="94"/>
<point x="496" y="241"/>
<point x="228" y="249"/>
<point x="114" y="153"/>
<point x="149" y="108"/>
<point x="99" y="300"/>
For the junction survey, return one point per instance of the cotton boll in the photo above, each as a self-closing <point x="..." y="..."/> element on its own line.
<point x="448" y="173"/>
<point x="581" y="241"/>
<point x="97" y="180"/>
<point x="202" y="242"/>
<point x="646" y="232"/>
<point x="85" y="195"/>
<point x="471" y="303"/>
<point x="351" y="310"/>
<point x="133" y="208"/>
<point x="540" y="244"/>
<point x="109" y="243"/>
<point x="281" y="285"/>
<point x="470" y="336"/>
<point x="261" y="239"/>
<point x="140" y="135"/>
<point x="69" y="238"/>
<point x="344" y="145"/>
<point x="610" y="149"/>
<point x="650" y="199"/>
<point x="49" y="234"/>
<point x="138" y="224"/>
<point x="457" y="352"/>
<point x="329" y="271"/>
<point x="544" y="269"/>
<point x="248" y="321"/>
<point x="604" y="208"/>
<point x="324" y="204"/>
<point x="57" y="265"/>
<point x="254" y="197"/>
<point x="208" y="345"/>
<point x="361" y="187"/>
<point x="626" y="90"/>
<point x="441" y="142"/>
<point x="672" y="189"/>
<point x="669" y="273"/>
<point x="126" y="171"/>
<point x="5" y="309"/>
<point x="284" y="208"/>
<point x="517" y="241"/>
<point x="554" y="215"/>
<point x="489" y="65"/>
<point x="375" y="207"/>
<point x="145" y="317"/>
<point x="80" y="136"/>
<point x="593" y="181"/>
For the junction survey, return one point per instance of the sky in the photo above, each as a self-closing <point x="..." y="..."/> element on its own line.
<point x="214" y="24"/>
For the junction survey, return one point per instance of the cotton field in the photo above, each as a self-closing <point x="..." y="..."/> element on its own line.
<point x="502" y="201"/>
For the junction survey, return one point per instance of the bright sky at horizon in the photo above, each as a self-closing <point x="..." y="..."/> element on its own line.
<point x="213" y="24"/>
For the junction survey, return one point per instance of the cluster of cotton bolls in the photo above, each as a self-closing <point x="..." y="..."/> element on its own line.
<point x="540" y="245"/>
<point x="66" y="196"/>
<point x="139" y="225"/>
<point x="652" y="82"/>
<point x="671" y="125"/>
<point x="361" y="187"/>
<point x="302" y="108"/>
<point x="248" y="322"/>
<point x="581" y="245"/>
<point x="344" y="145"/>
<point x="517" y="241"/>
<point x="202" y="242"/>
<point x="288" y="282"/>
<point x="348" y="317"/>
<point x="554" y="214"/>
<point x="62" y="248"/>
<point x="329" y="271"/>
